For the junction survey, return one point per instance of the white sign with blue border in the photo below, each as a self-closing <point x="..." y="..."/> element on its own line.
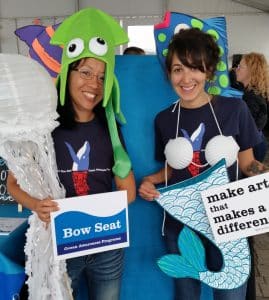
<point x="90" y="224"/>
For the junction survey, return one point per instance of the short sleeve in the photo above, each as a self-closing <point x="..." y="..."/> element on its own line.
<point x="159" y="143"/>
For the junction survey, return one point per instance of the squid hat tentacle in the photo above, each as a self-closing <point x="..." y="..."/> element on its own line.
<point x="92" y="33"/>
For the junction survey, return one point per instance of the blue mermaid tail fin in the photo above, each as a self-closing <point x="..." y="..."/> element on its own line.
<point x="191" y="247"/>
<point x="191" y="261"/>
<point x="177" y="266"/>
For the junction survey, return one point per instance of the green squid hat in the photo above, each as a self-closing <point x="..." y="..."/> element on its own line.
<point x="92" y="33"/>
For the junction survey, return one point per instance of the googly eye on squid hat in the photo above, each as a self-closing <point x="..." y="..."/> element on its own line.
<point x="91" y="33"/>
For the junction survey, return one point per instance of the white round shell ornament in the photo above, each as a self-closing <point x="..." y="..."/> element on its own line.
<point x="178" y="153"/>
<point x="220" y="147"/>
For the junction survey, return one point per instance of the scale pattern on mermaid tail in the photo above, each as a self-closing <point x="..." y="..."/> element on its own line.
<point x="184" y="202"/>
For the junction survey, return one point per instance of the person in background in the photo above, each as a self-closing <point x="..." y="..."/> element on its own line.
<point x="85" y="153"/>
<point x="134" y="51"/>
<point x="232" y="73"/>
<point x="252" y="72"/>
<point x="192" y="59"/>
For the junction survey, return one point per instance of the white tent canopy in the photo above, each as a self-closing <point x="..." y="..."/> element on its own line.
<point x="247" y="27"/>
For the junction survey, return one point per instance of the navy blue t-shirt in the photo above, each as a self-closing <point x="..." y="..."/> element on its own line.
<point x="84" y="158"/>
<point x="234" y="120"/>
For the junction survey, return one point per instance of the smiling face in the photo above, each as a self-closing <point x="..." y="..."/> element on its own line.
<point x="90" y="32"/>
<point x="188" y="83"/>
<point x="86" y="85"/>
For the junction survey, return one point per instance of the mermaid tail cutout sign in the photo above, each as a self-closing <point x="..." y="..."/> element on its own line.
<point x="173" y="22"/>
<point x="80" y="168"/>
<point x="183" y="201"/>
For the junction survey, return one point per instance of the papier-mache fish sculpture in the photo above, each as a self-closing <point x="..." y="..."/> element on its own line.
<point x="173" y="22"/>
<point x="184" y="202"/>
<point x="37" y="37"/>
<point x="28" y="100"/>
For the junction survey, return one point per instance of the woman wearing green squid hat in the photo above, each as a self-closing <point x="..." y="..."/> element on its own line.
<point x="88" y="145"/>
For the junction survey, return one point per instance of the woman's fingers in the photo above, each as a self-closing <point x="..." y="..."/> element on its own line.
<point x="45" y="207"/>
<point x="148" y="191"/>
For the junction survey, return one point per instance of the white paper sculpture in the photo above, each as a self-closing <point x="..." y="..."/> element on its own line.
<point x="28" y="100"/>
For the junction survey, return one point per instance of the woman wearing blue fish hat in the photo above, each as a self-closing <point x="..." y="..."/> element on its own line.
<point x="88" y="144"/>
<point x="190" y="136"/>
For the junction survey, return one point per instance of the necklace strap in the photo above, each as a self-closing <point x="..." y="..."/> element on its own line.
<point x="214" y="115"/>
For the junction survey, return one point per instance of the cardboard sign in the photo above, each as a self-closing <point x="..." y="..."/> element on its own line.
<point x="90" y="224"/>
<point x="238" y="209"/>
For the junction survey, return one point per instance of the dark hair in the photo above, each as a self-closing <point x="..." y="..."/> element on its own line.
<point x="66" y="112"/>
<point x="195" y="49"/>
<point x="134" y="50"/>
<point x="236" y="60"/>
